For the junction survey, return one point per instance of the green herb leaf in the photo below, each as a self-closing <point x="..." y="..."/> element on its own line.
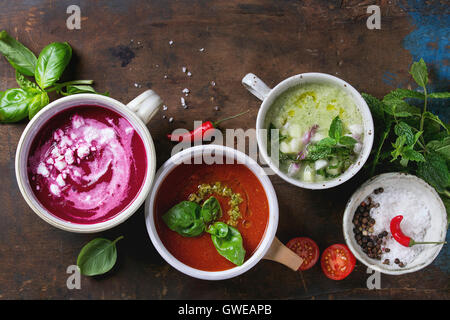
<point x="420" y="73"/>
<point x="435" y="171"/>
<point x="376" y="107"/>
<point x="348" y="141"/>
<point x="412" y="155"/>
<point x="51" y="63"/>
<point x="185" y="219"/>
<point x="318" y="151"/>
<point x="403" y="129"/>
<point x="19" y="56"/>
<point x="435" y="118"/>
<point x="24" y="83"/>
<point x="439" y="95"/>
<point x="38" y="101"/>
<point x="14" y="104"/>
<point x="336" y="129"/>
<point x="97" y="257"/>
<point x="441" y="147"/>
<point x="400" y="94"/>
<point x="228" y="242"/>
<point x="211" y="210"/>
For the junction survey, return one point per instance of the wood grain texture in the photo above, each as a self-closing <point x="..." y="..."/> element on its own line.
<point x="124" y="47"/>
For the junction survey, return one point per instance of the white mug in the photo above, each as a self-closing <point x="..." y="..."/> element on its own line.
<point x="269" y="248"/>
<point x="268" y="96"/>
<point x="138" y="112"/>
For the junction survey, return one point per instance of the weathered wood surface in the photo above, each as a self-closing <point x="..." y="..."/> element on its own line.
<point x="124" y="47"/>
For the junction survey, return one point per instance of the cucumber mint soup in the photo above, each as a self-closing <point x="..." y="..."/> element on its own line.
<point x="320" y="131"/>
<point x="86" y="164"/>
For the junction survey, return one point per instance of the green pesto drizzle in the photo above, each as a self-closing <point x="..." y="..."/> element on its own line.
<point x="205" y="190"/>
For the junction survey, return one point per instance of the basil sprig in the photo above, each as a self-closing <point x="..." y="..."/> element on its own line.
<point x="17" y="104"/>
<point x="228" y="242"/>
<point x="189" y="219"/>
<point x="98" y="256"/>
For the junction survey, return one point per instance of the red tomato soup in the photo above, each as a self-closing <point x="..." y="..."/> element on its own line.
<point x="199" y="252"/>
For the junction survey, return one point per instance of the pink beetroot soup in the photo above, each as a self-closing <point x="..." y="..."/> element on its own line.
<point x="87" y="164"/>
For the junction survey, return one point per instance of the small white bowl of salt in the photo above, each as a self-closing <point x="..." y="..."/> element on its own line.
<point x="368" y="216"/>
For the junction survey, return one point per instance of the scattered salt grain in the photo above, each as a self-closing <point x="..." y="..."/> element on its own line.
<point x="186" y="91"/>
<point x="213" y="84"/>
<point x="170" y="42"/>
<point x="170" y="119"/>
<point x="164" y="107"/>
<point x="201" y="49"/>
<point x="189" y="74"/>
<point x="184" y="69"/>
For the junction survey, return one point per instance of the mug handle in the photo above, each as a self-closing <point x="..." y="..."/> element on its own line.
<point x="256" y="86"/>
<point x="146" y="105"/>
<point x="278" y="252"/>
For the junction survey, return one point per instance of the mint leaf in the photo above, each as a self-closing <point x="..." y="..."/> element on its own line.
<point x="404" y="94"/>
<point x="336" y="129"/>
<point x="441" y="147"/>
<point x="412" y="155"/>
<point x="435" y="118"/>
<point x="439" y="95"/>
<point x="419" y="73"/>
<point x="435" y="171"/>
<point x="347" y="141"/>
<point x="403" y="129"/>
<point x="376" y="107"/>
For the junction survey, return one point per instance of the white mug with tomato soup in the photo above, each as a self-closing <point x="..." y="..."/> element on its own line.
<point x="195" y="256"/>
<point x="85" y="163"/>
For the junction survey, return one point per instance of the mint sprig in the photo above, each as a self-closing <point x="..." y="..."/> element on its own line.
<point x="410" y="138"/>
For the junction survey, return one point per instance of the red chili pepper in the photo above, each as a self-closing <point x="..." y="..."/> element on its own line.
<point x="400" y="237"/>
<point x="201" y="132"/>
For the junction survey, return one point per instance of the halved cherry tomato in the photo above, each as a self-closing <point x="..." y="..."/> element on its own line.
<point x="307" y="249"/>
<point x="337" y="261"/>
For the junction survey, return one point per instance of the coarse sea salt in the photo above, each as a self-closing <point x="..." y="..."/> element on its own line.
<point x="416" y="221"/>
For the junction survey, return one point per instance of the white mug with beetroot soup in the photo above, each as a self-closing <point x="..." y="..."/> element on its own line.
<point x="85" y="163"/>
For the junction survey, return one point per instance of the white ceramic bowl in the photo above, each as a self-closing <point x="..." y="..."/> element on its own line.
<point x="197" y="153"/>
<point x="268" y="96"/>
<point x="422" y="191"/>
<point x="138" y="112"/>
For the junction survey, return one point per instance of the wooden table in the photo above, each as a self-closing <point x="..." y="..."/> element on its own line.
<point x="124" y="46"/>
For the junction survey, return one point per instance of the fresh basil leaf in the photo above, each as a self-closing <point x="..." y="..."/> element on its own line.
<point x="347" y="141"/>
<point x="24" y="83"/>
<point x="185" y="219"/>
<point x="51" y="63"/>
<point x="97" y="257"/>
<point x="336" y="129"/>
<point x="211" y="210"/>
<point x="38" y="101"/>
<point x="439" y="95"/>
<point x="403" y="129"/>
<point x="434" y="171"/>
<point x="228" y="242"/>
<point x="14" y="104"/>
<point x="19" y="56"/>
<point x="419" y="73"/>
